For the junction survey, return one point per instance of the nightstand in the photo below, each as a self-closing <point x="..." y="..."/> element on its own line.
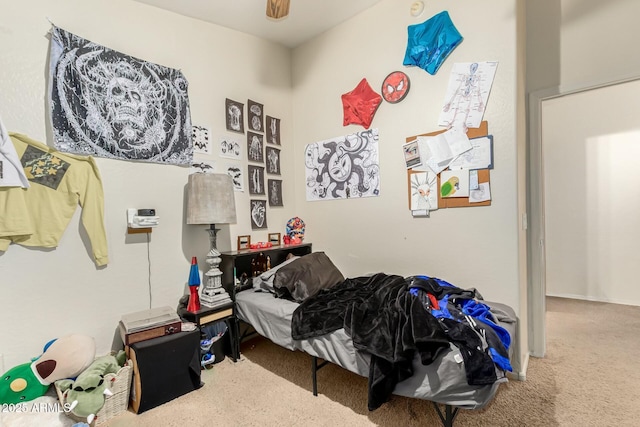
<point x="225" y="313"/>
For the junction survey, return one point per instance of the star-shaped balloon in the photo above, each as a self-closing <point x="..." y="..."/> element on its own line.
<point x="431" y="42"/>
<point x="360" y="105"/>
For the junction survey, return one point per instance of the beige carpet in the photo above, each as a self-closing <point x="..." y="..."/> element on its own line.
<point x="589" y="378"/>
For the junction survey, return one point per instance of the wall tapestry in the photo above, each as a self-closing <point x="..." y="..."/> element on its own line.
<point x="343" y="167"/>
<point x="108" y="104"/>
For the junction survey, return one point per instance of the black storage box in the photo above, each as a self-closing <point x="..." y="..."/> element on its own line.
<point x="164" y="368"/>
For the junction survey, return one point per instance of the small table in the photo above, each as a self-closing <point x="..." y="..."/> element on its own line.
<point x="225" y="313"/>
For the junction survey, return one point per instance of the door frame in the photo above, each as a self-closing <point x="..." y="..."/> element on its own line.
<point x="537" y="241"/>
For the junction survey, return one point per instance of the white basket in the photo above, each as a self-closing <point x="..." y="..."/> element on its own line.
<point x="120" y="385"/>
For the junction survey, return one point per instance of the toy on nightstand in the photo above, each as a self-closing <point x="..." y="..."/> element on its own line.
<point x="65" y="357"/>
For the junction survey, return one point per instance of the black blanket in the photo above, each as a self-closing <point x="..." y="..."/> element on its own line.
<point x="383" y="319"/>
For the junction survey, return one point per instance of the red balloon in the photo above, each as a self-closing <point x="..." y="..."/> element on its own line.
<point x="360" y="105"/>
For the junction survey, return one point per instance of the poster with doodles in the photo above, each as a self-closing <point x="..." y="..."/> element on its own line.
<point x="343" y="167"/>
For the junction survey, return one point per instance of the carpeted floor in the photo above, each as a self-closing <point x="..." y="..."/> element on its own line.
<point x="589" y="378"/>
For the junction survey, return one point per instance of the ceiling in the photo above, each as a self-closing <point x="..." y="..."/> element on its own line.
<point x="307" y="18"/>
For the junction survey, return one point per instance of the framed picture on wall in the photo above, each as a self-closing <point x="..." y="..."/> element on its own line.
<point x="274" y="239"/>
<point x="255" y="147"/>
<point x="273" y="160"/>
<point x="235" y="115"/>
<point x="256" y="180"/>
<point x="273" y="130"/>
<point x="258" y="214"/>
<point x="244" y="242"/>
<point x="275" y="192"/>
<point x="255" y="116"/>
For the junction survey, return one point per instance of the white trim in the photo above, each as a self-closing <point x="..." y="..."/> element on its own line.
<point x="522" y="374"/>
<point x="595" y="299"/>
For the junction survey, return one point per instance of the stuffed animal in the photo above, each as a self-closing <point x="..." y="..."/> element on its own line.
<point x="86" y="395"/>
<point x="65" y="357"/>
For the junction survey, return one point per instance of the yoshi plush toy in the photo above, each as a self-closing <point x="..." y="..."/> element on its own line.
<point x="86" y="395"/>
<point x="65" y="357"/>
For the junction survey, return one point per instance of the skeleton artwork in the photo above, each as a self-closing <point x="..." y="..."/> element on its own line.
<point x="258" y="214"/>
<point x="109" y="104"/>
<point x="273" y="161"/>
<point x="255" y="116"/>
<point x="254" y="146"/>
<point x="275" y="192"/>
<point x="256" y="180"/>
<point x="273" y="130"/>
<point x="234" y="116"/>
<point x="344" y="167"/>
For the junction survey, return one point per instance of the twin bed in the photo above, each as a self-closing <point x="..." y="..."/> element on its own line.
<point x="307" y="298"/>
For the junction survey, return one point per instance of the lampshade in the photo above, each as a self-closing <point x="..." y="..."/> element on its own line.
<point x="210" y="199"/>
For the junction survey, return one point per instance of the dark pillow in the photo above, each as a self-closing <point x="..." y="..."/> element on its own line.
<point x="306" y="276"/>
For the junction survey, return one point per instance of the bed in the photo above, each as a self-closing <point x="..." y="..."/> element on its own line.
<point x="271" y="309"/>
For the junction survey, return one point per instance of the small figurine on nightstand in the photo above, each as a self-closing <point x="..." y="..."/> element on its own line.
<point x="294" y="231"/>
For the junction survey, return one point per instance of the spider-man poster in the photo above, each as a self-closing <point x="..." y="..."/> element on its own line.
<point x="343" y="167"/>
<point x="108" y="104"/>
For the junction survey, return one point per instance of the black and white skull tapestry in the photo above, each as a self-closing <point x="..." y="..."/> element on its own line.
<point x="108" y="104"/>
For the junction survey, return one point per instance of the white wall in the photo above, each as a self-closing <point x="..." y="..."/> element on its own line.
<point x="473" y="247"/>
<point x="49" y="293"/>
<point x="599" y="40"/>
<point x="470" y="247"/>
<point x="592" y="183"/>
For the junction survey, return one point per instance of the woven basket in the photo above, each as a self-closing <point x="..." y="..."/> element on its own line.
<point x="120" y="385"/>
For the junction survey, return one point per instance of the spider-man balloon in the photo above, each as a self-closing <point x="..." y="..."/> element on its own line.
<point x="395" y="87"/>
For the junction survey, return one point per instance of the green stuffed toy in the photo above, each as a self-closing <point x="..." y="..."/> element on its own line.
<point x="85" y="396"/>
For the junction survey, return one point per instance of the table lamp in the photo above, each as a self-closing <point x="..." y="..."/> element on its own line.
<point x="210" y="200"/>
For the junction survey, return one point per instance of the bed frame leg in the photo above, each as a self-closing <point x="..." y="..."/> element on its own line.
<point x="449" y="415"/>
<point x="314" y="374"/>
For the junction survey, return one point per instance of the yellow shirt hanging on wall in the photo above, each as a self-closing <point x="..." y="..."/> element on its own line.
<point x="59" y="182"/>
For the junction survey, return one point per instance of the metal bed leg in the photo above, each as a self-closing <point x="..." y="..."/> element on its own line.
<point x="449" y="416"/>
<point x="314" y="372"/>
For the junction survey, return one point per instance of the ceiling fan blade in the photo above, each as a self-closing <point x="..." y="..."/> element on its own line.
<point x="277" y="9"/>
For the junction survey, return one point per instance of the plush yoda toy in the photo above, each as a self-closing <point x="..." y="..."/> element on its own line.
<point x="86" y="395"/>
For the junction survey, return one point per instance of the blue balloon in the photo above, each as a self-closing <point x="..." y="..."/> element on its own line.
<point x="431" y="42"/>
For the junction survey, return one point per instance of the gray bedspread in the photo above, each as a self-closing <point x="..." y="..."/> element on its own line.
<point x="443" y="381"/>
